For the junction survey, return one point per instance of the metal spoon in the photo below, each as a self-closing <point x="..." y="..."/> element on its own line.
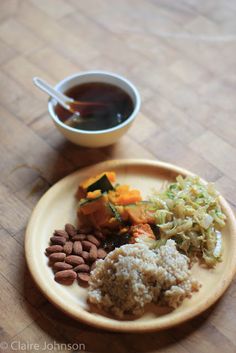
<point x="66" y="102"/>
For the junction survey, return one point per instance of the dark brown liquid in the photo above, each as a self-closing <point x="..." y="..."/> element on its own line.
<point x="114" y="107"/>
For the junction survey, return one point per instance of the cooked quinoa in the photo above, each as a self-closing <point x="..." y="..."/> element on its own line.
<point x="132" y="276"/>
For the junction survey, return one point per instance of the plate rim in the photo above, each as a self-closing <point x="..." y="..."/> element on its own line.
<point x="116" y="325"/>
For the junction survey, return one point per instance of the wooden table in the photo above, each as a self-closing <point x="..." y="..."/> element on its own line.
<point x="181" y="55"/>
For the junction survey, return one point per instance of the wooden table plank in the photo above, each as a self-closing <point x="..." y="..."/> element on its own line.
<point x="181" y="55"/>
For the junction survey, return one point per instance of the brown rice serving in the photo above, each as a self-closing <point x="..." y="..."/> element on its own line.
<point x="133" y="275"/>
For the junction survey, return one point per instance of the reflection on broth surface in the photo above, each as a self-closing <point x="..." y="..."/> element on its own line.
<point x="113" y="106"/>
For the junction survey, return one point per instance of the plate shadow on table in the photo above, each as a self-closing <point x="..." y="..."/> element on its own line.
<point x="63" y="329"/>
<point x="71" y="158"/>
<point x="68" y="157"/>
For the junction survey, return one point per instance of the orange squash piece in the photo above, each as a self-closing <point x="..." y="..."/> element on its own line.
<point x="94" y="194"/>
<point x="122" y="195"/>
<point x="82" y="190"/>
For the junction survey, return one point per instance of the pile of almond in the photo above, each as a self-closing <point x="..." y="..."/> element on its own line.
<point x="73" y="253"/>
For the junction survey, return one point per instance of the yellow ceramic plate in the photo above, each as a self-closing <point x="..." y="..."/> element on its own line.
<point x="58" y="206"/>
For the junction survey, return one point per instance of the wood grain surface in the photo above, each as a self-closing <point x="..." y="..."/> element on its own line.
<point x="181" y="55"/>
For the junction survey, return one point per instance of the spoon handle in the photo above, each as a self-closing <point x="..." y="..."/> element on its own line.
<point x="60" y="97"/>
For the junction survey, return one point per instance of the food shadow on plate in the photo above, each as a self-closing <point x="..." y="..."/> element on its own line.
<point x="150" y="311"/>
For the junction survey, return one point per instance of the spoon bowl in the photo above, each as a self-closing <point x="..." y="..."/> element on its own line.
<point x="81" y="109"/>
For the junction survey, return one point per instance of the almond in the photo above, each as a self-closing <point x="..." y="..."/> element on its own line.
<point x="70" y="229"/>
<point x="102" y="253"/>
<point x="85" y="255"/>
<point x="84" y="277"/>
<point x="61" y="266"/>
<point x="74" y="260"/>
<point x="58" y="240"/>
<point x="79" y="237"/>
<point x="77" y="248"/>
<point x="93" y="253"/>
<point x="82" y="268"/>
<point x="67" y="248"/>
<point x="61" y="233"/>
<point x="93" y="240"/>
<point x="99" y="235"/>
<point x="65" y="277"/>
<point x="54" y="248"/>
<point x="57" y="256"/>
<point x="87" y="245"/>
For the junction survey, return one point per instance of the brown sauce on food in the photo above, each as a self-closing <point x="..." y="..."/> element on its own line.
<point x="113" y="108"/>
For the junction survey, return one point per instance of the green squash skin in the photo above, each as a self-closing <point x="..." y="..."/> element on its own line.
<point x="102" y="184"/>
<point x="116" y="213"/>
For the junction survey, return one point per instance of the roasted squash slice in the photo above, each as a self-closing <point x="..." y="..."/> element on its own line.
<point x="123" y="195"/>
<point x="139" y="212"/>
<point x="101" y="182"/>
<point x="89" y="206"/>
<point x="98" y="213"/>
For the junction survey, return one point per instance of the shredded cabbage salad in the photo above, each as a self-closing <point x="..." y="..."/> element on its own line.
<point x="189" y="212"/>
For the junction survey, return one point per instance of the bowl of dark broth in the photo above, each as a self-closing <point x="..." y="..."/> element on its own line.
<point x="110" y="103"/>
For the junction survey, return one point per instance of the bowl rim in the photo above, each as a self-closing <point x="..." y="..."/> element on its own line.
<point x="95" y="132"/>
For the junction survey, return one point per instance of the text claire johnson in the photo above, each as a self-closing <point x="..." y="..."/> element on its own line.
<point x="44" y="346"/>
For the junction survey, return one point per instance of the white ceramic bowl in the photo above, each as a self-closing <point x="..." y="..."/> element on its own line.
<point x="98" y="138"/>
